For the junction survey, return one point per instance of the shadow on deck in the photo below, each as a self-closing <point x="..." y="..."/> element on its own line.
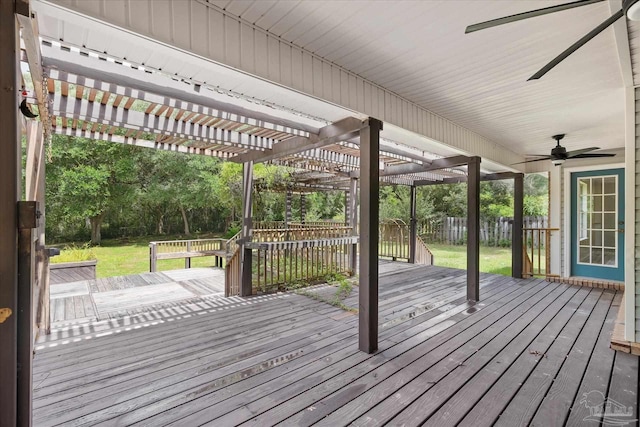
<point x="529" y="352"/>
<point x="86" y="301"/>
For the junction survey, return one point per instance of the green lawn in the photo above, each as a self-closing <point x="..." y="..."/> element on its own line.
<point x="492" y="260"/>
<point x="120" y="257"/>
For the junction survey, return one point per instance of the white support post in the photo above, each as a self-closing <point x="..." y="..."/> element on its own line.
<point x="630" y="284"/>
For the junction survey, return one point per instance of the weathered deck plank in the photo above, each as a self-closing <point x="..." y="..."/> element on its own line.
<point x="294" y="360"/>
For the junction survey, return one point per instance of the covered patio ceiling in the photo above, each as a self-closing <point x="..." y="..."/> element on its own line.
<point x="418" y="51"/>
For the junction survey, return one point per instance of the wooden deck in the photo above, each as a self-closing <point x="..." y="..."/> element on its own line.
<point x="531" y="352"/>
<point x="85" y="301"/>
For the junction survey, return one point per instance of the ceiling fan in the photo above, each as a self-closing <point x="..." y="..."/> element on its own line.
<point x="630" y="8"/>
<point x="559" y="154"/>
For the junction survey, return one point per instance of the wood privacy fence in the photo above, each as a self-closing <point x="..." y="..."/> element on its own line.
<point x="494" y="232"/>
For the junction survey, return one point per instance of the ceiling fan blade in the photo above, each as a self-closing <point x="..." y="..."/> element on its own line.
<point x="533" y="160"/>
<point x="581" y="151"/>
<point x="577" y="45"/>
<point x="527" y="15"/>
<point x="592" y="155"/>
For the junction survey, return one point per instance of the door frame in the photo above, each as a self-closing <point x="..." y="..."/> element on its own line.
<point x="566" y="211"/>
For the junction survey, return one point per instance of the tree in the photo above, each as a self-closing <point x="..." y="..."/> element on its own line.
<point x="85" y="178"/>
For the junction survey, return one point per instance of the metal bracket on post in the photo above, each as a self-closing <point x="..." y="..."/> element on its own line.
<point x="28" y="215"/>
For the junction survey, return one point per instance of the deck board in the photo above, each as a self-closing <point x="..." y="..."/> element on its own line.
<point x="294" y="360"/>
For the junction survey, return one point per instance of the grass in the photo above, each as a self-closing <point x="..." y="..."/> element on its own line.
<point x="120" y="257"/>
<point x="492" y="260"/>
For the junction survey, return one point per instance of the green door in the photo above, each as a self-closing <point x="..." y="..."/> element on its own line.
<point x="597" y="224"/>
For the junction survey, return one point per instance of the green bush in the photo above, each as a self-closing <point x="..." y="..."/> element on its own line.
<point x="74" y="253"/>
<point x="232" y="231"/>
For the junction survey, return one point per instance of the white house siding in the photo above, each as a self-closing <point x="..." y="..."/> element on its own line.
<point x="209" y="32"/>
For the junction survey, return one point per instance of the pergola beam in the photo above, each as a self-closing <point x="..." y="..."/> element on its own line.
<point x="426" y="166"/>
<point x="120" y="139"/>
<point x="456" y="180"/>
<point x="166" y="91"/>
<point x="341" y="130"/>
<point x="81" y="109"/>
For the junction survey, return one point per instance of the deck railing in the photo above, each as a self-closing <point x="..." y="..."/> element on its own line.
<point x="277" y="263"/>
<point x="233" y="273"/>
<point x="281" y="225"/>
<point x="536" y="251"/>
<point x="394" y="242"/>
<point x="299" y="233"/>
<point x="424" y="256"/>
<point x="187" y="249"/>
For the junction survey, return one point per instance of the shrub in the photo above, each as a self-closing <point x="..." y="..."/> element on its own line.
<point x="74" y="253"/>
<point x="232" y="231"/>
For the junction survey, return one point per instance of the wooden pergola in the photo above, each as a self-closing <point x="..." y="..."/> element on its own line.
<point x="97" y="97"/>
<point x="86" y="94"/>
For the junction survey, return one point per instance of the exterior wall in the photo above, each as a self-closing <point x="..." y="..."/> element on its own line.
<point x="209" y="32"/>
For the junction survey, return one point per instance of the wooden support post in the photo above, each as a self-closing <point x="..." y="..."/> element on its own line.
<point x="303" y="207"/>
<point x="413" y="227"/>
<point x="153" y="262"/>
<point x="287" y="215"/>
<point x="247" y="225"/>
<point x="516" y="235"/>
<point x="473" y="229"/>
<point x="9" y="196"/>
<point x="27" y="222"/>
<point x="35" y="191"/>
<point x="287" y="209"/>
<point x="187" y="260"/>
<point x="353" y="222"/>
<point x="369" y="216"/>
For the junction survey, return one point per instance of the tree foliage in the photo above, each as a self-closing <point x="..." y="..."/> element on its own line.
<point x="97" y="188"/>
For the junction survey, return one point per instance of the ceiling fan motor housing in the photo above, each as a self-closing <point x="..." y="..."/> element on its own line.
<point x="559" y="152"/>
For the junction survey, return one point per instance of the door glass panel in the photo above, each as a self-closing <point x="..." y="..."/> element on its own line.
<point x="597" y="203"/>
<point x="609" y="221"/>
<point x="610" y="239"/>
<point x="584" y="255"/>
<point x="596" y="186"/>
<point x="610" y="185"/>
<point x="610" y="203"/>
<point x="609" y="257"/>
<point x="596" y="219"/>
